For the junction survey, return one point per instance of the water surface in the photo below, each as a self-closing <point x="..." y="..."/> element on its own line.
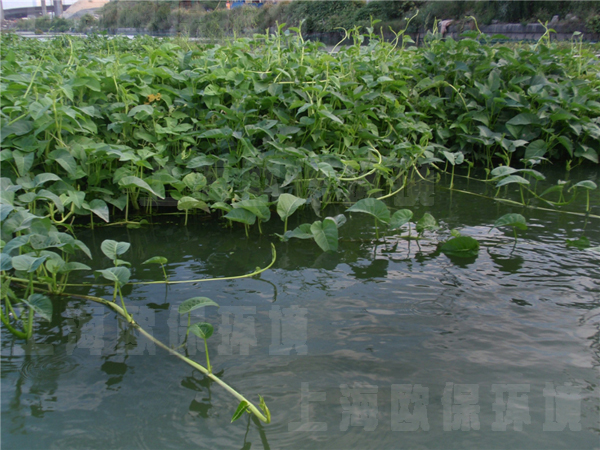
<point x="365" y="345"/>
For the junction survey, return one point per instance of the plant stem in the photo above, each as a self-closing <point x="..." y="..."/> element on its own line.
<point x="188" y="361"/>
<point x="125" y="313"/>
<point x="207" y="358"/>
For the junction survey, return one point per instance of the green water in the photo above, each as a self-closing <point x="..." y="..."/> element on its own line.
<point x="368" y="323"/>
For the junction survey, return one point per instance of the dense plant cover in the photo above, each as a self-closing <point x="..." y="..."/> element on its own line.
<point x="266" y="124"/>
<point x="116" y="119"/>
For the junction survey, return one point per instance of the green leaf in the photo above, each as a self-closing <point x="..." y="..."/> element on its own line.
<point x="512" y="179"/>
<point x="462" y="246"/>
<point x="257" y="206"/>
<point x="54" y="265"/>
<point x="511" y="220"/>
<point x="5" y="210"/>
<point x="325" y="234"/>
<point x="112" y="249"/>
<point x="194" y="303"/>
<point x="536" y="149"/>
<point x="501" y="171"/>
<point x="194" y="181"/>
<point x="132" y="181"/>
<point x="45" y="194"/>
<point x="119" y="275"/>
<point x="156" y="260"/>
<point x="41" y="305"/>
<point x="187" y="203"/>
<point x="202" y="330"/>
<point x="339" y="220"/>
<point x="372" y="206"/>
<point x="287" y="204"/>
<point x="242" y="407"/>
<point x="581" y="243"/>
<point x="5" y="262"/>
<point x="400" y="218"/>
<point x="331" y="116"/>
<point x="427" y="222"/>
<point x="241" y="215"/>
<point x="586" y="184"/>
<point x="524" y="119"/>
<point x="27" y="263"/>
<point x="300" y="232"/>
<point x="42" y="178"/>
<point x="99" y="208"/>
<point x="23" y="161"/>
<point x="71" y="266"/>
<point x="141" y="112"/>
<point x="65" y="160"/>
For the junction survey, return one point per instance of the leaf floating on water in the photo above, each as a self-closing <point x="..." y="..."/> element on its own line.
<point x="462" y="246"/>
<point x="581" y="243"/>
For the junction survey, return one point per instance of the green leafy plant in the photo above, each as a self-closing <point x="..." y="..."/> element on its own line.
<point x="461" y="246"/>
<point x="512" y="220"/>
<point x="158" y="260"/>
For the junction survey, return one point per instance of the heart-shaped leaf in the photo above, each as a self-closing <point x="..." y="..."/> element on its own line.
<point x="119" y="275"/>
<point x="325" y="234"/>
<point x="186" y="203"/>
<point x="427" y="222"/>
<point x="372" y="206"/>
<point x="112" y="249"/>
<point x="287" y="204"/>
<point x="400" y="218"/>
<point x="27" y="263"/>
<point x="41" y="305"/>
<point x="202" y="330"/>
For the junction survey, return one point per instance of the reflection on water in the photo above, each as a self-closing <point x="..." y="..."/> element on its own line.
<point x="367" y="332"/>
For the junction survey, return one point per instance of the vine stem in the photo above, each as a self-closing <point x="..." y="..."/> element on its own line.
<point x="248" y="275"/>
<point x="188" y="361"/>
